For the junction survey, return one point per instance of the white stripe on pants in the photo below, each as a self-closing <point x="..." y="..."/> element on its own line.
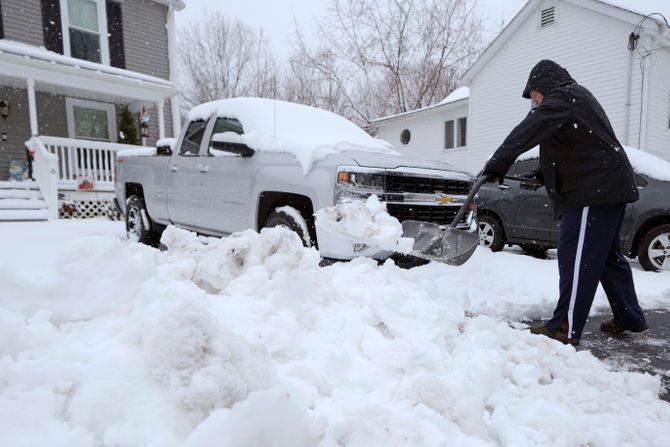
<point x="578" y="263"/>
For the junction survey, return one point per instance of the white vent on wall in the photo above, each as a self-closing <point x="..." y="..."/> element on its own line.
<point x="547" y="16"/>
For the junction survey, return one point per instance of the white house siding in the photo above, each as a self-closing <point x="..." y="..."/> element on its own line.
<point x="597" y="61"/>
<point x="427" y="130"/>
<point x="657" y="140"/>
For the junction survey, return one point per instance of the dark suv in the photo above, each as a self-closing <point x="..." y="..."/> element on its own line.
<point x="517" y="212"/>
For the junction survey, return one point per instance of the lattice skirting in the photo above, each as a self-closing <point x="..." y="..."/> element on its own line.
<point x="86" y="209"/>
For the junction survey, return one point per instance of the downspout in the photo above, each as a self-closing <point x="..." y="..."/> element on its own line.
<point x="644" y="107"/>
<point x="175" y="105"/>
<point x="632" y="43"/>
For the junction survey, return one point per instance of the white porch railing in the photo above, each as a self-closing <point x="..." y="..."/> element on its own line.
<point x="84" y="164"/>
<point x="45" y="173"/>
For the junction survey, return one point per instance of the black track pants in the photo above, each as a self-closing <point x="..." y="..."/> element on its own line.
<point x="589" y="239"/>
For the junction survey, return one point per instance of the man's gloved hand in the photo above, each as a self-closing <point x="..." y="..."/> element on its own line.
<point x="493" y="174"/>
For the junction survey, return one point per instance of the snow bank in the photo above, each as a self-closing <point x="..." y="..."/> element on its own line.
<point x="365" y="223"/>
<point x="308" y="133"/>
<point x="248" y="341"/>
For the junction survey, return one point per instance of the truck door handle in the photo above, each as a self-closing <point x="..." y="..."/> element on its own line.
<point x="203" y="168"/>
<point x="174" y="168"/>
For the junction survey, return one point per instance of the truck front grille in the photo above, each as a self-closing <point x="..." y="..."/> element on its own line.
<point x="442" y="215"/>
<point x="426" y="185"/>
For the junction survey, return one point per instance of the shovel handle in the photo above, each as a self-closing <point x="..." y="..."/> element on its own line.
<point x="461" y="212"/>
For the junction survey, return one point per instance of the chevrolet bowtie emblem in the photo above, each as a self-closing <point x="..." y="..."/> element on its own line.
<point x="443" y="199"/>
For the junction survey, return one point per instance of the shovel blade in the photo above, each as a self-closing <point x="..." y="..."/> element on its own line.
<point x="449" y="246"/>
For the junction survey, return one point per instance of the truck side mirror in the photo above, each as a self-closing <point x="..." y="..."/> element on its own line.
<point x="240" y="149"/>
<point x="164" y="150"/>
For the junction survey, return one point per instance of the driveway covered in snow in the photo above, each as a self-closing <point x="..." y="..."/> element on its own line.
<point x="248" y="341"/>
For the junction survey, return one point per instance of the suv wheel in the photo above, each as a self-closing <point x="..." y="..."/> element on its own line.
<point x="490" y="233"/>
<point x="138" y="223"/>
<point x="654" y="252"/>
<point x="280" y="218"/>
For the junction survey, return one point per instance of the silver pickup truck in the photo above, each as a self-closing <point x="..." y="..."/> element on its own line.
<point x="252" y="163"/>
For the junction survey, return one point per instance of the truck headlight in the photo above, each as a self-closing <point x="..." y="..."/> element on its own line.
<point x="358" y="185"/>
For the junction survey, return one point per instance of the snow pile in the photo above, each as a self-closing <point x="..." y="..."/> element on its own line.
<point x="137" y="152"/>
<point x="248" y="341"/>
<point x="308" y="133"/>
<point x="365" y="223"/>
<point x="273" y="252"/>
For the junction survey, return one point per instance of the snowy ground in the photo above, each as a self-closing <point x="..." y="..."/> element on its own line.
<point x="249" y="342"/>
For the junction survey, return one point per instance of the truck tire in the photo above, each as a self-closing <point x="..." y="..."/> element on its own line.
<point x="490" y="233"/>
<point x="654" y="252"/>
<point x="279" y="218"/>
<point x="139" y="226"/>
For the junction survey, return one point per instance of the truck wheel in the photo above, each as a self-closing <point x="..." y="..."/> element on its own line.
<point x="654" y="252"/>
<point x="138" y="223"/>
<point x="279" y="218"/>
<point x="490" y="233"/>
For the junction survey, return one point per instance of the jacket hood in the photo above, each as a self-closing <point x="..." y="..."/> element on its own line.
<point x="545" y="76"/>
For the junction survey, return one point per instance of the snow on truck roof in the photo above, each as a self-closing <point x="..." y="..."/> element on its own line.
<point x="309" y="133"/>
<point x="642" y="162"/>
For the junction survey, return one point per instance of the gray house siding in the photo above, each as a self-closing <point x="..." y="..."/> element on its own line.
<point x="145" y="37"/>
<point x="22" y="21"/>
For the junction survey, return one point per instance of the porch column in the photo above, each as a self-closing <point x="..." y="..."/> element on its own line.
<point x="32" y="107"/>
<point x="161" y="119"/>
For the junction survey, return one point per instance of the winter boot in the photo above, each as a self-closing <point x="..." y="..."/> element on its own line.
<point x="611" y="327"/>
<point x="560" y="334"/>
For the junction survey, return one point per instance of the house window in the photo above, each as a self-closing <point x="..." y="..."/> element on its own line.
<point x="547" y="16"/>
<point x="462" y="126"/>
<point x="91" y="120"/>
<point x="86" y="24"/>
<point x="83" y="29"/>
<point x="405" y="136"/>
<point x="449" y="134"/>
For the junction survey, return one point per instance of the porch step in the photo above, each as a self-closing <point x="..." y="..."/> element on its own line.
<point x="25" y="185"/>
<point x="22" y="204"/>
<point x="15" y="215"/>
<point x="19" y="194"/>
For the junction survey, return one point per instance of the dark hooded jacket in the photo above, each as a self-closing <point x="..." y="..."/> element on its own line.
<point x="582" y="162"/>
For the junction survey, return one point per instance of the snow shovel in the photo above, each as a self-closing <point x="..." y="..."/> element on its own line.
<point x="450" y="246"/>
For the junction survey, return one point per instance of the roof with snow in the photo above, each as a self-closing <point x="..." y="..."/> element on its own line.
<point x="309" y="133"/>
<point x="30" y="54"/>
<point x="459" y="94"/>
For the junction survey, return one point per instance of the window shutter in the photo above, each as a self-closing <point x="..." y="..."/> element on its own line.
<point x="117" y="55"/>
<point x="449" y="134"/>
<point x="462" y="141"/>
<point x="2" y="30"/>
<point x="51" y="24"/>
